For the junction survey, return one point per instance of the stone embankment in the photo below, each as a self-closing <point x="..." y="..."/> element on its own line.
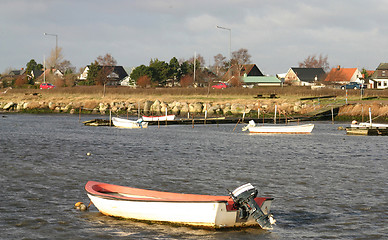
<point x="195" y="108"/>
<point x="153" y="107"/>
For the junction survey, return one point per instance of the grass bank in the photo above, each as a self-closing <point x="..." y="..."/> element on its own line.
<point x="244" y="95"/>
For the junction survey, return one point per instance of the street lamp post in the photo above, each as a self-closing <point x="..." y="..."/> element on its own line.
<point x="230" y="45"/>
<point x="56" y="44"/>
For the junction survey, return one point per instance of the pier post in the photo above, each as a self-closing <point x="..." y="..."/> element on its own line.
<point x="332" y="115"/>
<point x="110" y="117"/>
<point x="274" y="118"/>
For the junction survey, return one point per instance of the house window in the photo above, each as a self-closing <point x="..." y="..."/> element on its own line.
<point x="383" y="73"/>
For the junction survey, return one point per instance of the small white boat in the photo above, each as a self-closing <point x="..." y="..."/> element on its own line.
<point x="241" y="209"/>
<point x="369" y="124"/>
<point x="158" y="118"/>
<point x="125" y="123"/>
<point x="279" y="129"/>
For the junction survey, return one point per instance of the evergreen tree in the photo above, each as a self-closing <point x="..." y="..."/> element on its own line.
<point x="93" y="72"/>
<point x="174" y="69"/>
<point x="160" y="70"/>
<point x="140" y="71"/>
<point x="32" y="66"/>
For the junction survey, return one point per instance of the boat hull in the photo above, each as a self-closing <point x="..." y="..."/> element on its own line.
<point x="124" y="123"/>
<point x="202" y="211"/>
<point x="291" y="129"/>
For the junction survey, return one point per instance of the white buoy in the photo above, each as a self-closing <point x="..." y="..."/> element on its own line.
<point x="88" y="154"/>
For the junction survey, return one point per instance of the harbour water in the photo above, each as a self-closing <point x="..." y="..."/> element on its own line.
<point x="326" y="185"/>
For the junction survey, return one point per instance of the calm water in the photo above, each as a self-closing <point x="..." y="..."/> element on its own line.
<point x="325" y="185"/>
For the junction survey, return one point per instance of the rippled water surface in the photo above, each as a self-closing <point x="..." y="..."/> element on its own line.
<point x="325" y="185"/>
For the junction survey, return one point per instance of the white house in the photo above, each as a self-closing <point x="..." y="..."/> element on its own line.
<point x="380" y="76"/>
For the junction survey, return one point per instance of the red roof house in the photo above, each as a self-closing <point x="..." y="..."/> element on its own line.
<point x="340" y="75"/>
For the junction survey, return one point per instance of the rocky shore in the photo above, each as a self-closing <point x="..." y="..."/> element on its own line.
<point x="196" y="108"/>
<point x="147" y="107"/>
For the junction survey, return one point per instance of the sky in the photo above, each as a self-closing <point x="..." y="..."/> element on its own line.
<point x="278" y="34"/>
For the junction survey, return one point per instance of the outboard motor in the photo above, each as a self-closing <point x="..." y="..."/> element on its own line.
<point x="244" y="199"/>
<point x="139" y="122"/>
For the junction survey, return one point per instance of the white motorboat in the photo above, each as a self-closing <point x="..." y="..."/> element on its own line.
<point x="125" y="123"/>
<point x="241" y="209"/>
<point x="279" y="129"/>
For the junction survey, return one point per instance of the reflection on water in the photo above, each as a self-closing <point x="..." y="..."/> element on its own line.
<point x="325" y="185"/>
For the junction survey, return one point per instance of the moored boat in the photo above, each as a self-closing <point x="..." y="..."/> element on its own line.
<point x="158" y="118"/>
<point x="279" y="129"/>
<point x="355" y="124"/>
<point x="241" y="209"/>
<point x="369" y="124"/>
<point x="367" y="128"/>
<point x="125" y="123"/>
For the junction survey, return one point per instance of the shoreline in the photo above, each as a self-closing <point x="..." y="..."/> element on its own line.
<point x="231" y="103"/>
<point x="349" y="112"/>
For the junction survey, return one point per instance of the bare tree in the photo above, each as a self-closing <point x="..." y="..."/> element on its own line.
<point x="107" y="64"/>
<point x="200" y="61"/>
<point x="241" y="57"/>
<point x="219" y="62"/>
<point x="65" y="67"/>
<point x="55" y="58"/>
<point x="313" y="61"/>
<point x="106" y="60"/>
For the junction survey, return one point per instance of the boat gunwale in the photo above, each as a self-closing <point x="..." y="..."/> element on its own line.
<point x="149" y="195"/>
<point x="123" y="198"/>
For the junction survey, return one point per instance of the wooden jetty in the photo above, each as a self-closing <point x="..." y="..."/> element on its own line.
<point x="321" y="114"/>
<point x="367" y="131"/>
<point x="182" y="121"/>
<point x="201" y="121"/>
<point x="98" y="122"/>
<point x="326" y="113"/>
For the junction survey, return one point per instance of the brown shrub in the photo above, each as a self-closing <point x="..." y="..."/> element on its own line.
<point x="20" y="81"/>
<point x="186" y="81"/>
<point x="59" y="82"/>
<point x="143" y="81"/>
<point x="235" y="82"/>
